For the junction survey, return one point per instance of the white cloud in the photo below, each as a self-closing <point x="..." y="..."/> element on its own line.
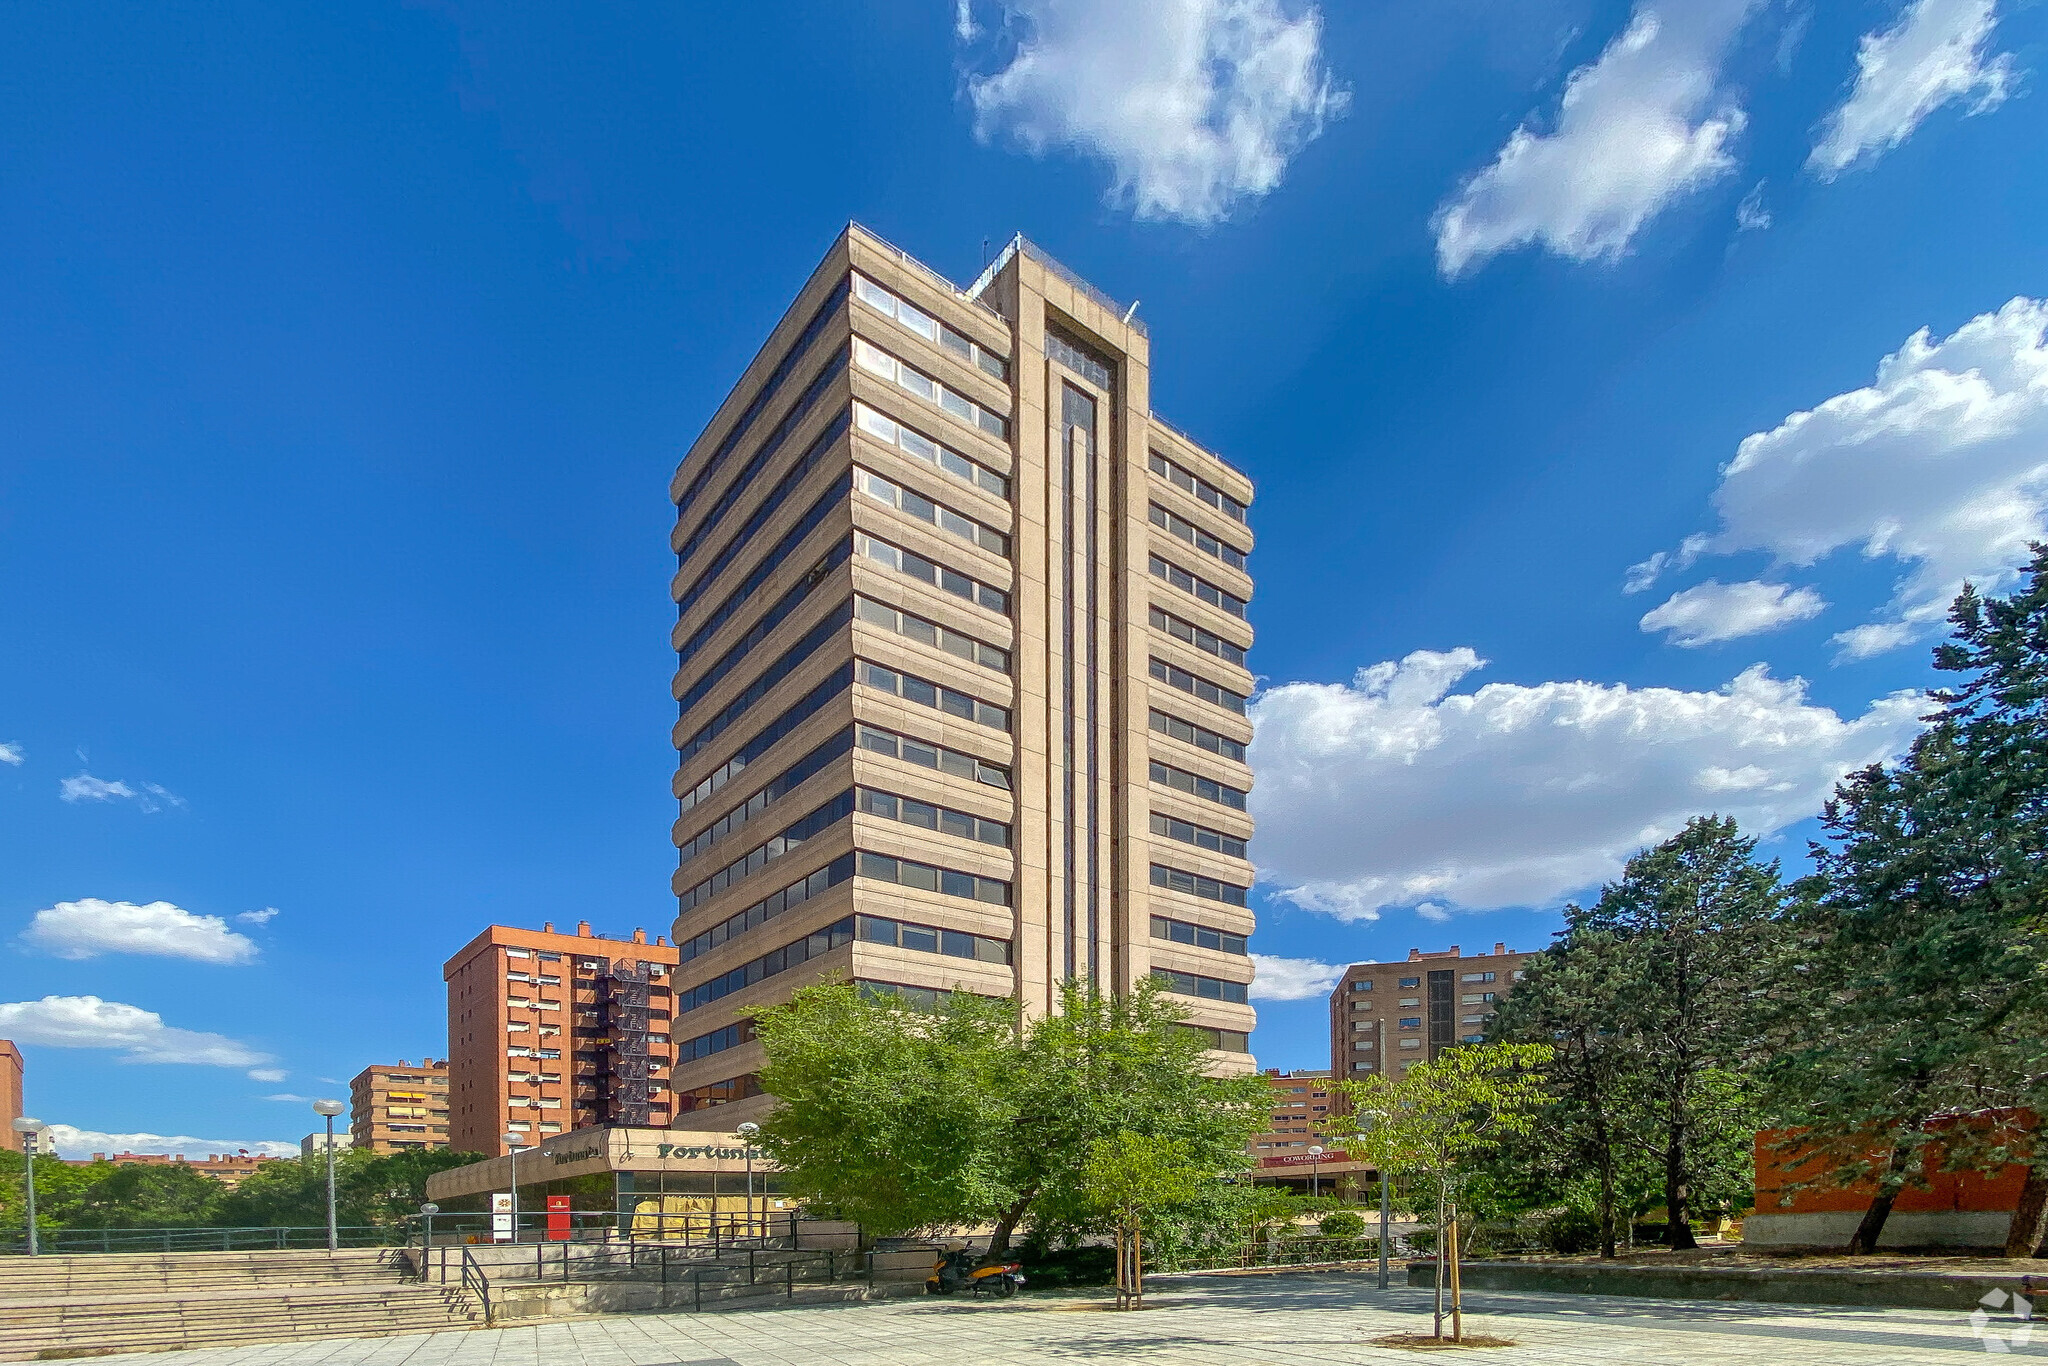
<point x="1643" y="125"/>
<point x="10" y="753"/>
<point x="1292" y="979"/>
<point x="86" y="788"/>
<point x="83" y="1143"/>
<point x="272" y="1074"/>
<point x="141" y="1035"/>
<point x="1937" y="52"/>
<point x="1941" y="465"/>
<point x="1715" y="611"/>
<point x="1194" y="104"/>
<point x="1750" y="214"/>
<point x="286" y="1096"/>
<point x="1394" y="791"/>
<point x="89" y="928"/>
<point x="262" y="917"/>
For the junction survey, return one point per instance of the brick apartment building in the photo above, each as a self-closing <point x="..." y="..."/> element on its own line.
<point x="551" y="1032"/>
<point x="11" y="1070"/>
<point x="397" y="1106"/>
<point x="1301" y="1102"/>
<point x="230" y="1169"/>
<point x="961" y="665"/>
<point x="1392" y="1015"/>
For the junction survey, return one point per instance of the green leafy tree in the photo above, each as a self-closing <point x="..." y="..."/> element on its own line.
<point x="1686" y="926"/>
<point x="170" y="1195"/>
<point x="896" y="1117"/>
<point x="1915" y="988"/>
<point x="1131" y="1178"/>
<point x="1595" y="1112"/>
<point x="906" y="1118"/>
<point x="1435" y="1120"/>
<point x="59" y="1189"/>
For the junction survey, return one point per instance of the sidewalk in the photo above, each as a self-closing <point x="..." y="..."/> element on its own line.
<point x="1274" y="1320"/>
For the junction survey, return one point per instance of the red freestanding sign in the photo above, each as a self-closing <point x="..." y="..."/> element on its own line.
<point x="558" y="1218"/>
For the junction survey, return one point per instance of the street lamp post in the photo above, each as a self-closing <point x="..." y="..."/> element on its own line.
<point x="327" y="1110"/>
<point x="512" y="1143"/>
<point x="427" y="1212"/>
<point x="1386" y="1217"/>
<point x="30" y="1131"/>
<point x="746" y="1132"/>
<point x="1315" y="1170"/>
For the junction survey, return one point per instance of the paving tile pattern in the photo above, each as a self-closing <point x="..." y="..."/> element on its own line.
<point x="1275" y="1320"/>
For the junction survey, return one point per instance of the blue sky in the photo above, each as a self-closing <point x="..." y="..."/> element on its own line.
<point x="348" y="354"/>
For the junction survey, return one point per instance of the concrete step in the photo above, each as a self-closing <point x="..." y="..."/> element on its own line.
<point x="80" y="1325"/>
<point x="167" y="1272"/>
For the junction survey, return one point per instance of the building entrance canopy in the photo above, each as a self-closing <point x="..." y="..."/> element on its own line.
<point x="646" y="1155"/>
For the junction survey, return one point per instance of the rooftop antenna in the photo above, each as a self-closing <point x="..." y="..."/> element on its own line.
<point x="1131" y="312"/>
<point x="984" y="253"/>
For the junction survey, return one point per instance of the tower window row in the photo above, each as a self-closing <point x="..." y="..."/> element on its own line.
<point x="913" y="627"/>
<point x="1188" y="482"/>
<point x="788" y="662"/>
<point x="918" y="446"/>
<point x="914" y="319"/>
<point x="743" y="538"/>
<point x="926" y="755"/>
<point x="1201" y="836"/>
<point x="925" y="693"/>
<point x="925" y="510"/>
<point x="1195" y="785"/>
<point x="1201" y="540"/>
<point x="1173" y="676"/>
<point x="780" y="786"/>
<point x="912" y="380"/>
<point x="912" y="565"/>
<point x="1208" y="642"/>
<point x="1201" y="738"/>
<point x="800" y="711"/>
<point x="1166" y="569"/>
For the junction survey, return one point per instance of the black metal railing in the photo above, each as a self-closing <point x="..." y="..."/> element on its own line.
<point x="728" y="1274"/>
<point x="474" y="1282"/>
<point x="71" y="1241"/>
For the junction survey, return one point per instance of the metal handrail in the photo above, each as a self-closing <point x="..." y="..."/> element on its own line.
<point x="474" y="1280"/>
<point x="254" y="1238"/>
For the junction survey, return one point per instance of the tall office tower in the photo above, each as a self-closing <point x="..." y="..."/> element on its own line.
<point x="551" y="1032"/>
<point x="960" y="653"/>
<point x="397" y="1106"/>
<point x="1390" y="1016"/>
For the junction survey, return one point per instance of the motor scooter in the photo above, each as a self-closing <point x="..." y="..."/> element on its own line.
<point x="956" y="1270"/>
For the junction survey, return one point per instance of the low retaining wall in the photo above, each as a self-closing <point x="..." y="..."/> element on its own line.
<point x="1950" y="1230"/>
<point x="1960" y="1291"/>
<point x="517" y="1303"/>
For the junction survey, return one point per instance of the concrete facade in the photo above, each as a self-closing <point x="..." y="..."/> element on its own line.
<point x="971" y="620"/>
<point x="1393" y="1015"/>
<point x="397" y="1106"/>
<point x="552" y="1032"/>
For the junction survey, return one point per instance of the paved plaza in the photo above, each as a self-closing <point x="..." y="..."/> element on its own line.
<point x="1260" y="1319"/>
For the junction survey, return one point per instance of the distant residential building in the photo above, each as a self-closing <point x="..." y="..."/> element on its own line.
<point x="1301" y="1102"/>
<point x="11" y="1069"/>
<point x="397" y="1106"/>
<point x="230" y="1169"/>
<point x="550" y="1032"/>
<point x="1386" y="1017"/>
<point x="313" y="1144"/>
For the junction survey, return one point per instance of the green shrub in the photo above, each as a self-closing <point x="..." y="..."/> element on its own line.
<point x="1572" y="1231"/>
<point x="1343" y="1223"/>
